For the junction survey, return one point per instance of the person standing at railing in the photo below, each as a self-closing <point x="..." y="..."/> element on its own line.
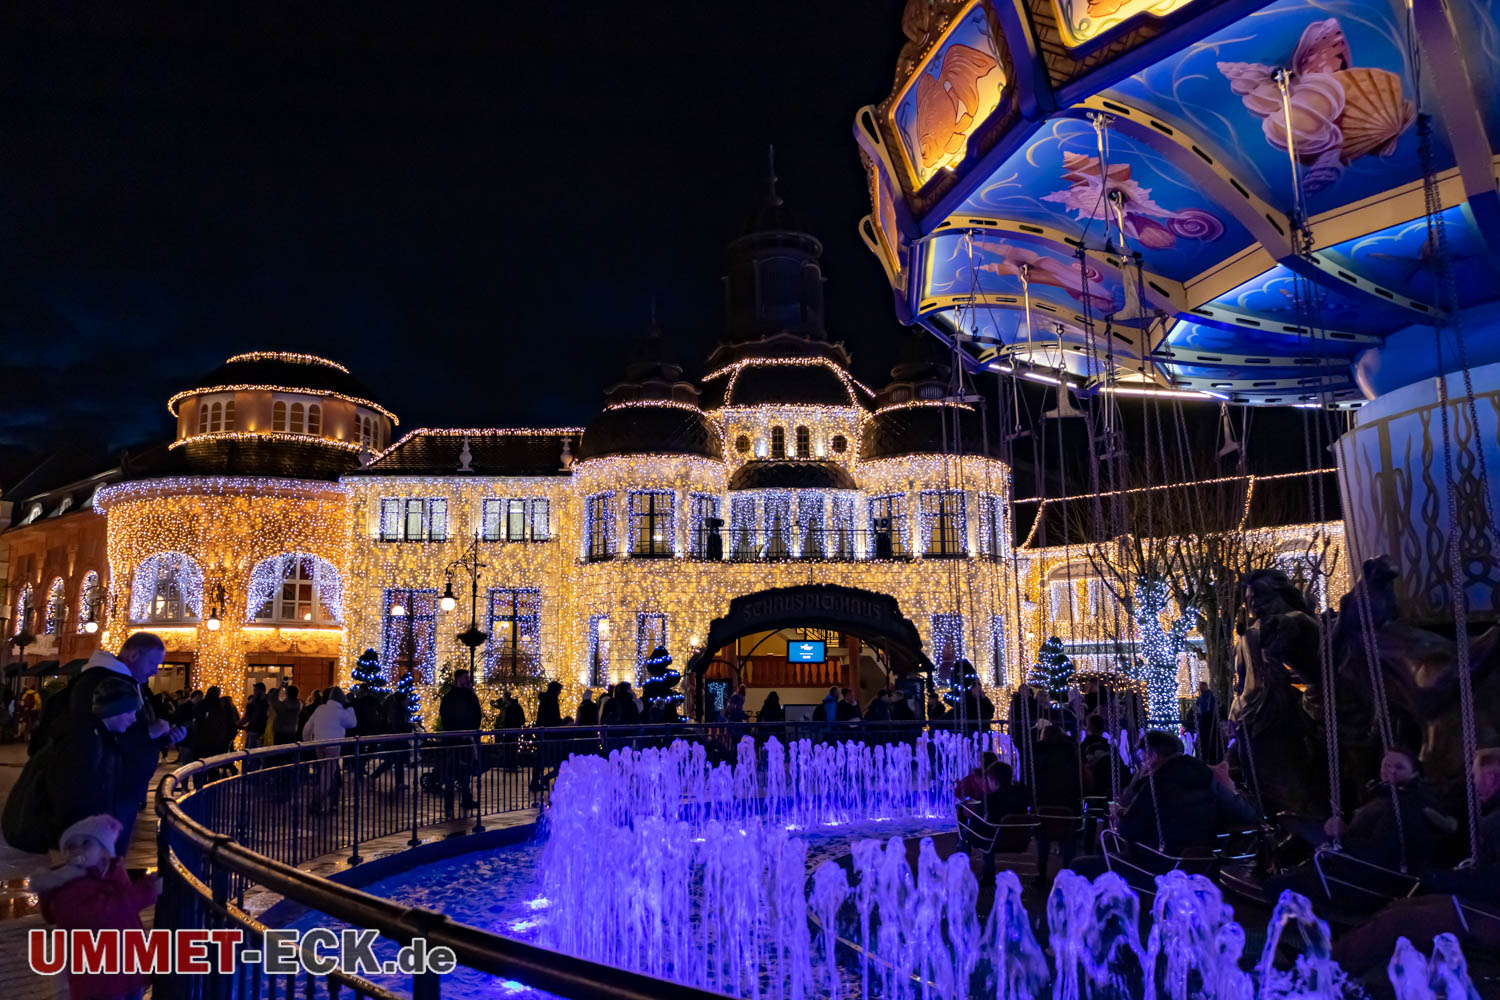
<point x="548" y="717"/>
<point x="396" y="712"/>
<point x="459" y="712"/>
<point x="771" y="710"/>
<point x="331" y="720"/>
<point x="588" y="710"/>
<point x="257" y="710"/>
<point x="284" y="712"/>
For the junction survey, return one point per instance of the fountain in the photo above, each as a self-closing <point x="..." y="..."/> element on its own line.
<point x="656" y="861"/>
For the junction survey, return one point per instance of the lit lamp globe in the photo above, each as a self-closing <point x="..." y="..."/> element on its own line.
<point x="448" y="602"/>
<point x="213" y="623"/>
<point x="91" y="626"/>
<point x="398" y="610"/>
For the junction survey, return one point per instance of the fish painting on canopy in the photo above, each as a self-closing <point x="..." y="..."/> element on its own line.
<point x="1007" y="260"/>
<point x="1148" y="224"/>
<point x="1339" y="111"/>
<point x="958" y="87"/>
<point x="1083" y="21"/>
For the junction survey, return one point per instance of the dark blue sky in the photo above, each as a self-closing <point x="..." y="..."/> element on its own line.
<point x="470" y="207"/>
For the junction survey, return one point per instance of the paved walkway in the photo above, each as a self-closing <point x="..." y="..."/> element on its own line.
<point x="18" y="905"/>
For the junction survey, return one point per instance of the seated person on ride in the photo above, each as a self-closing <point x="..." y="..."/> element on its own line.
<point x="1097" y="752"/>
<point x="1376" y="833"/>
<point x="1464" y="901"/>
<point x="990" y="791"/>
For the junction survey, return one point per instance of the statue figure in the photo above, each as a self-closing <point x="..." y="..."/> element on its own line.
<point x="1274" y="728"/>
<point x="1418" y="670"/>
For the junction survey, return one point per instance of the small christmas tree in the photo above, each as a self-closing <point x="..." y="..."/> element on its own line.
<point x="368" y="676"/>
<point x="406" y="686"/>
<point x="1053" y="671"/>
<point x="961" y="680"/>
<point x="660" y="690"/>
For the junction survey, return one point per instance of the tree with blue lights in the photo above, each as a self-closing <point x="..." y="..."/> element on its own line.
<point x="1159" y="644"/>
<point x="1053" y="670"/>
<point x="660" y="689"/>
<point x="406" y="687"/>
<point x="367" y="674"/>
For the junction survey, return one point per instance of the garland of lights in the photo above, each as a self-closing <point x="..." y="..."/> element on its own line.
<point x="287" y="356"/>
<point x="637" y="404"/>
<point x="280" y="437"/>
<point x="916" y="404"/>
<point x="478" y="432"/>
<point x="209" y="486"/>
<point x="180" y="571"/>
<point x="733" y="371"/>
<point x="998" y="677"/>
<point x="295" y="390"/>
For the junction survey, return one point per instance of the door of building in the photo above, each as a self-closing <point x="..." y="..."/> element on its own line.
<point x="269" y="674"/>
<point x="172" y="677"/>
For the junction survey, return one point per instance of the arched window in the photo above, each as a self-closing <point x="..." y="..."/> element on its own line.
<point x="778" y="442"/>
<point x="202" y="417"/>
<point x="57" y="607"/>
<point x="216" y="417"/>
<point x="314" y="418"/>
<point x="168" y="587"/>
<point x="229" y="415"/>
<point x="278" y="416"/>
<point x="23" y="608"/>
<point x="804" y="443"/>
<point x="295" y="588"/>
<point x="295" y="423"/>
<point x="90" y="600"/>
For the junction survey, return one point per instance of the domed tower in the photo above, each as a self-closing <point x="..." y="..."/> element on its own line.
<point x="653" y="410"/>
<point x="278" y="413"/>
<point x="781" y="388"/>
<point x="914" y="416"/>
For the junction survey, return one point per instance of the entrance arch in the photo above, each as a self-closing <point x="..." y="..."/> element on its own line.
<point x="873" y="617"/>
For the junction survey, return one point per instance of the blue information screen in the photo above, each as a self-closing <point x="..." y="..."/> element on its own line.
<point x="806" y="652"/>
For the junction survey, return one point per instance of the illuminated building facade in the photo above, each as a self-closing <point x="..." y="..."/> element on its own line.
<point x="287" y="528"/>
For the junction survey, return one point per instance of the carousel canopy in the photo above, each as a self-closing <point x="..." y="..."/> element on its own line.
<point x="1263" y="202"/>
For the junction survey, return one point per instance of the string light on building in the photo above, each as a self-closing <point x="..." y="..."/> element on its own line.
<point x="289" y="389"/>
<point x="278" y="437"/>
<point x="851" y="384"/>
<point x="287" y="356"/>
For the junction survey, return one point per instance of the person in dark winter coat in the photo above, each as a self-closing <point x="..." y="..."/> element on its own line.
<point x="459" y="712"/>
<point x="370" y="713"/>
<point x="548" y="712"/>
<point x="901" y="709"/>
<point x="88" y="771"/>
<point x="771" y="710"/>
<point x="285" y="712"/>
<point x="512" y="714"/>
<point x="879" y="709"/>
<point x="626" y="711"/>
<point x="588" y="710"/>
<point x="257" y="711"/>
<point x="847" y="709"/>
<point x="1176" y="802"/>
<point x="210" y="728"/>
<point x="395" y="721"/>
<point x="92" y="892"/>
<point x="1059" y="793"/>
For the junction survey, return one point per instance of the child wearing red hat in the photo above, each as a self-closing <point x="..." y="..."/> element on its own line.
<point x="90" y="891"/>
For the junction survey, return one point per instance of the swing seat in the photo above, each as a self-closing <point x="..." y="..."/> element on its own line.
<point x="1359" y="886"/>
<point x="1058" y="822"/>
<point x="1011" y="835"/>
<point x="1139" y="865"/>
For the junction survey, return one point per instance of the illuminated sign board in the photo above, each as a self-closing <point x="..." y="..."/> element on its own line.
<point x="806" y="652"/>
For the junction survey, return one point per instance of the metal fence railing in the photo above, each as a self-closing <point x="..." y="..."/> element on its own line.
<point x="245" y="821"/>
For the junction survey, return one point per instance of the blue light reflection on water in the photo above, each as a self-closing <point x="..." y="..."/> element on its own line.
<point x="497" y="891"/>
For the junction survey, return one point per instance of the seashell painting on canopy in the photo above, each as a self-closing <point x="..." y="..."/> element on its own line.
<point x="956" y="88"/>
<point x="1339" y="112"/>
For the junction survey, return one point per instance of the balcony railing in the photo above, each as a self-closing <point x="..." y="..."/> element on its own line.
<point x="815" y="544"/>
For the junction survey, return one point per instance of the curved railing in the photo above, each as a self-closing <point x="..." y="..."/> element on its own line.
<point x="235" y="828"/>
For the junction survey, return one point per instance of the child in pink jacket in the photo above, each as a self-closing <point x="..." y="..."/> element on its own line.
<point x="91" y="891"/>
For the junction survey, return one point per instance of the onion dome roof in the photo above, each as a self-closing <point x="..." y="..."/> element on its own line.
<point x="653" y="411"/>
<point x="913" y="415"/>
<point x="280" y="370"/>
<point x="799" y="474"/>
<point x="783" y="369"/>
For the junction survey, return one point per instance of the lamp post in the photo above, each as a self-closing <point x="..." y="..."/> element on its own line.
<point x="93" y="600"/>
<point x="469" y="563"/>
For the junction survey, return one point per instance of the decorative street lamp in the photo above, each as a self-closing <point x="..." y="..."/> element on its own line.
<point x="93" y="600"/>
<point x="469" y="563"/>
<point x="215" y="618"/>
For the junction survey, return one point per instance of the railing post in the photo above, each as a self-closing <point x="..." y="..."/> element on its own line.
<point x="416" y="789"/>
<point x="296" y="775"/>
<point x="478" y="787"/>
<point x="359" y="768"/>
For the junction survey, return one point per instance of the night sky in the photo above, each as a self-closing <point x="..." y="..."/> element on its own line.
<point x="471" y="208"/>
